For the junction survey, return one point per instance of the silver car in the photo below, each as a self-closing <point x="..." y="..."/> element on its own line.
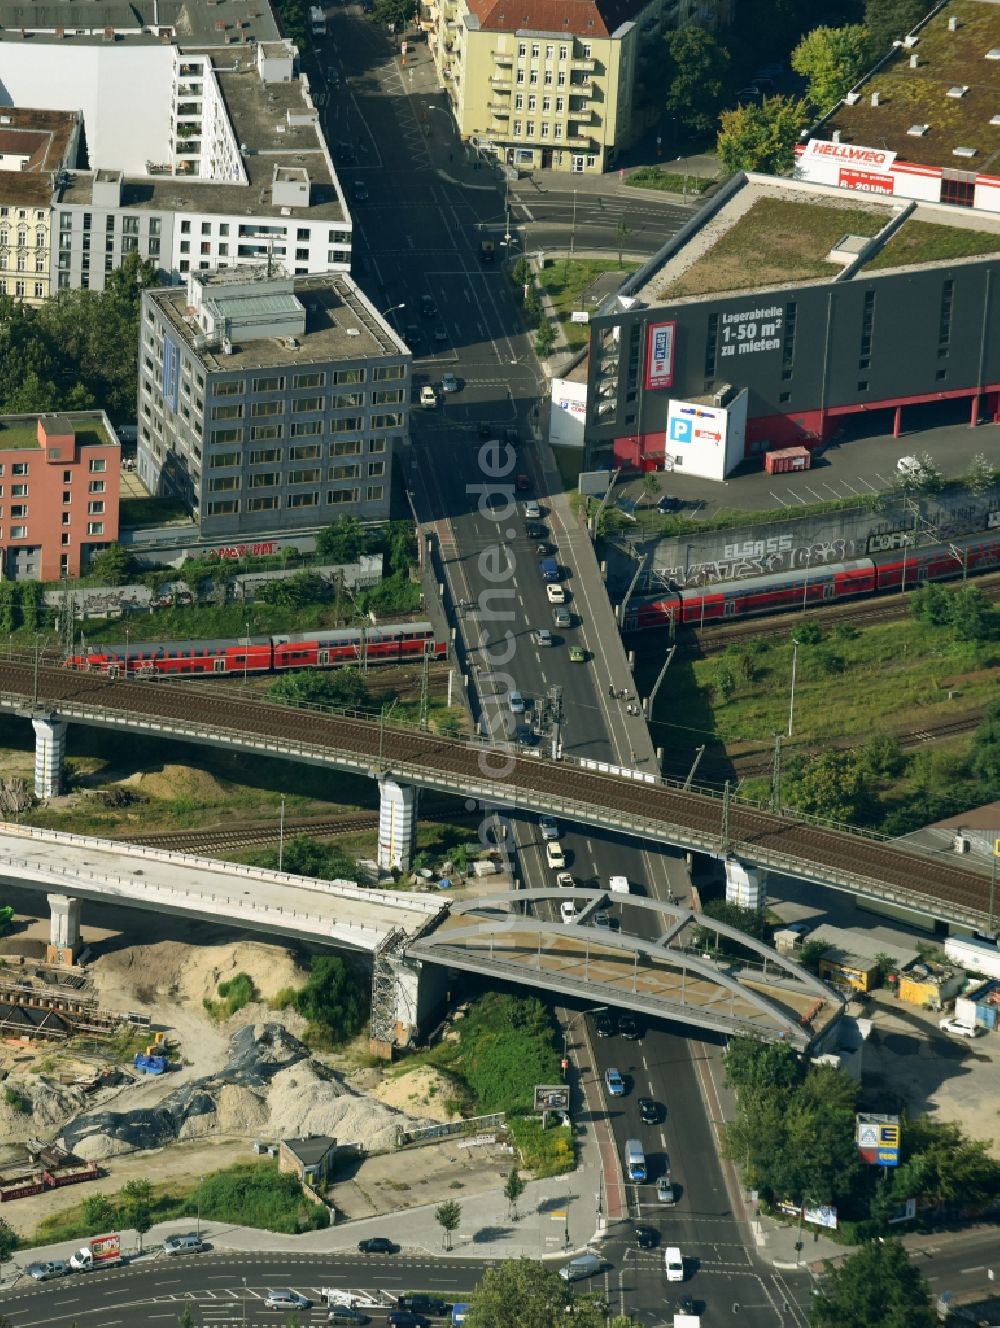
<point x="42" y="1272"/>
<point x="284" y="1298"/>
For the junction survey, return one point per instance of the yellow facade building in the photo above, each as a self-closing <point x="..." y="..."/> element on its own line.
<point x="555" y="84"/>
<point x="35" y="145"/>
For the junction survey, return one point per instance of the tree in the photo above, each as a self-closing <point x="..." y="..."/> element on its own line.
<point x="513" y="1189"/>
<point x="831" y="60"/>
<point x="876" y="1285"/>
<point x="696" y="74"/>
<point x="756" y="1067"/>
<point x="890" y="20"/>
<point x="99" y="1213"/>
<point x="334" y="998"/>
<point x="761" y="138"/>
<point x="981" y="475"/>
<point x="986" y="749"/>
<point x="394" y="14"/>
<point x="970" y="615"/>
<point x="112" y="566"/>
<point x="448" y="1216"/>
<point x="523" y="1293"/>
<point x="732" y="915"/>
<point x="302" y="856"/>
<point x="883" y="755"/>
<point x="343" y="689"/>
<point x="545" y="338"/>
<point x="831" y="785"/>
<point x="931" y="603"/>
<point x="186" y="1319"/>
<point x="8" y="1242"/>
<point x="942" y="1167"/>
<point x="343" y="541"/>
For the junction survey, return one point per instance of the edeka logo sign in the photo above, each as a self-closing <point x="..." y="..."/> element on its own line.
<point x="660" y="356"/>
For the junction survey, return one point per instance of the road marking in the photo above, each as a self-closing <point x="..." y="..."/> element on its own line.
<point x="652" y="1090"/>
<point x="663" y="1140"/>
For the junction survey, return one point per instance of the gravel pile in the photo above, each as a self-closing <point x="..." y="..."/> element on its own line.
<point x="270" y="1088"/>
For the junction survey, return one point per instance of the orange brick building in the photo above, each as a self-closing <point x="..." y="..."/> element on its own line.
<point x="59" y="493"/>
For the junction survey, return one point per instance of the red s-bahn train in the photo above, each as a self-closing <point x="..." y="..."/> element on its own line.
<point x="318" y="649"/>
<point x="815" y="585"/>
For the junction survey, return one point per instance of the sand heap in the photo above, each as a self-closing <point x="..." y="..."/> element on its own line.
<point x="269" y="1088"/>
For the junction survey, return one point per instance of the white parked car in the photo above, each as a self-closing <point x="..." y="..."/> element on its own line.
<point x="284" y="1298"/>
<point x="960" y="1030"/>
<point x="428" y="397"/>
<point x="555" y="593"/>
<point x="567" y="910"/>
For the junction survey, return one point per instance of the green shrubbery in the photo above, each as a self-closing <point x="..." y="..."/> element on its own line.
<point x="237" y="992"/>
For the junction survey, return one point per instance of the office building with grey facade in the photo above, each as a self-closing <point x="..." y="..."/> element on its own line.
<point x="269" y="403"/>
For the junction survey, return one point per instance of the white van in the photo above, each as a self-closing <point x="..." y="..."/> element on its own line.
<point x="618" y="885"/>
<point x="673" y="1261"/>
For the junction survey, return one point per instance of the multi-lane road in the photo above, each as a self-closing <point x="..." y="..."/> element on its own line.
<point x="418" y="235"/>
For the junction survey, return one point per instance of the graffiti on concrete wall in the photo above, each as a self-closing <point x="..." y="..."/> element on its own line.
<point x="763" y="557"/>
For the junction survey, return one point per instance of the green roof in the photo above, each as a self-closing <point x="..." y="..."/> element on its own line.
<point x="776" y="241"/>
<point x="929" y="242"/>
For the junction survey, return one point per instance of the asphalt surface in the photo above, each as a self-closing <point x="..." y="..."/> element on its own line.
<point x="225" y="1289"/>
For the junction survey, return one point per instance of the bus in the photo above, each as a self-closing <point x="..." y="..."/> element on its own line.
<point x="317" y="21"/>
<point x="635" y="1160"/>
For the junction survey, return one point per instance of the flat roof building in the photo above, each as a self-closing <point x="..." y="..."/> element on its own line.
<point x="60" y="478"/>
<point x="925" y="122"/>
<point x="269" y="403"/>
<point x="777" y="313"/>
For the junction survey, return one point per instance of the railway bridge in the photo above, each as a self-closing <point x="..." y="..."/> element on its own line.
<point x="496" y="778"/>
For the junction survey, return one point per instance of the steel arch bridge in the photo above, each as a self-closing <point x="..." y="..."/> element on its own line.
<point x="772" y="998"/>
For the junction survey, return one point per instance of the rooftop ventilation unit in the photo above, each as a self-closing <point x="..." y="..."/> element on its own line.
<point x="993" y="53"/>
<point x="963" y="152"/>
<point x="917" y="130"/>
<point x="914" y="61"/>
<point x="953" y="23"/>
<point x="853" y="98"/>
<point x="875" y="99"/>
<point x="995" y="119"/>
<point x="958" y="91"/>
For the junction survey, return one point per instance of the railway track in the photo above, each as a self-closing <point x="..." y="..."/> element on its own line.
<point x="748" y="764"/>
<point x="883" y="608"/>
<point x="210" y="842"/>
<point x="363" y="745"/>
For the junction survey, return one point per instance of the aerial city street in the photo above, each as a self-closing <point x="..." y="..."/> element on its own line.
<point x="499" y="737"/>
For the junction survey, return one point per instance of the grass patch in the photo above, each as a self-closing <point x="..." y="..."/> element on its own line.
<point x="550" y="1152"/>
<point x="152" y="510"/>
<point x="567" y="282"/>
<point x="655" y="177"/>
<point x="776" y="241"/>
<point x="238" y="991"/>
<point x="252" y="1194"/>
<point x="924" y="242"/>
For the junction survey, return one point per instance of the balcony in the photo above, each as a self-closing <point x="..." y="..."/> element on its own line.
<point x="578" y="141"/>
<point x="501" y="84"/>
<point x="585" y="115"/>
<point x="502" y="58"/>
<point x="583" y="66"/>
<point x="499" y="110"/>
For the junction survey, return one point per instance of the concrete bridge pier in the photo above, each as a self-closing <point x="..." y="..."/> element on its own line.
<point x="397" y="824"/>
<point x="744" y="885"/>
<point x="64" y="929"/>
<point x="50" y="753"/>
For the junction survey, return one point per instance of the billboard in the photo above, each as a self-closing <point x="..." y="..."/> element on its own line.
<point x="878" y="1140"/>
<point x="568" y="414"/>
<point x="848" y="154"/>
<point x="823" y="1215"/>
<point x="660" y="355"/>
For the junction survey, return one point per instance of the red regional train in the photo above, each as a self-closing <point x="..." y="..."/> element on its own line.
<point x="815" y="585"/>
<point x="389" y="643"/>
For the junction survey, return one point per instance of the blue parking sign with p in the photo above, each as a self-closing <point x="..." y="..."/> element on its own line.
<point x="680" y="430"/>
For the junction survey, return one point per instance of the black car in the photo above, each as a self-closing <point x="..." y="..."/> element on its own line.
<point x="407" y="1319"/>
<point x="421" y="1304"/>
<point x="629" y="1027"/>
<point x="544" y="549"/>
<point x="377" y="1245"/>
<point x="687" y="1305"/>
<point x="649" y="1111"/>
<point x="345" y="153"/>
<point x="427" y="306"/>
<point x="647" y="1238"/>
<point x="534" y="531"/>
<point x="347" y="1314"/>
<point x="604" y="1024"/>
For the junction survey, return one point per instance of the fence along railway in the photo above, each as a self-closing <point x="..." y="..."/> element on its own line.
<point x="627" y="802"/>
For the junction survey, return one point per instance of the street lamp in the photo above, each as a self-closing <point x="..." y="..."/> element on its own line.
<point x="246" y="655"/>
<point x="392" y="308"/>
<point x="281" y="835"/>
<point x="244" y="1311"/>
<point x="791" y="697"/>
<point x="201" y="1182"/>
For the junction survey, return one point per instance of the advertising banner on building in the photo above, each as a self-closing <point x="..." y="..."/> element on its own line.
<point x="660" y="356"/>
<point x="568" y="414"/>
<point x="864" y="182"/>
